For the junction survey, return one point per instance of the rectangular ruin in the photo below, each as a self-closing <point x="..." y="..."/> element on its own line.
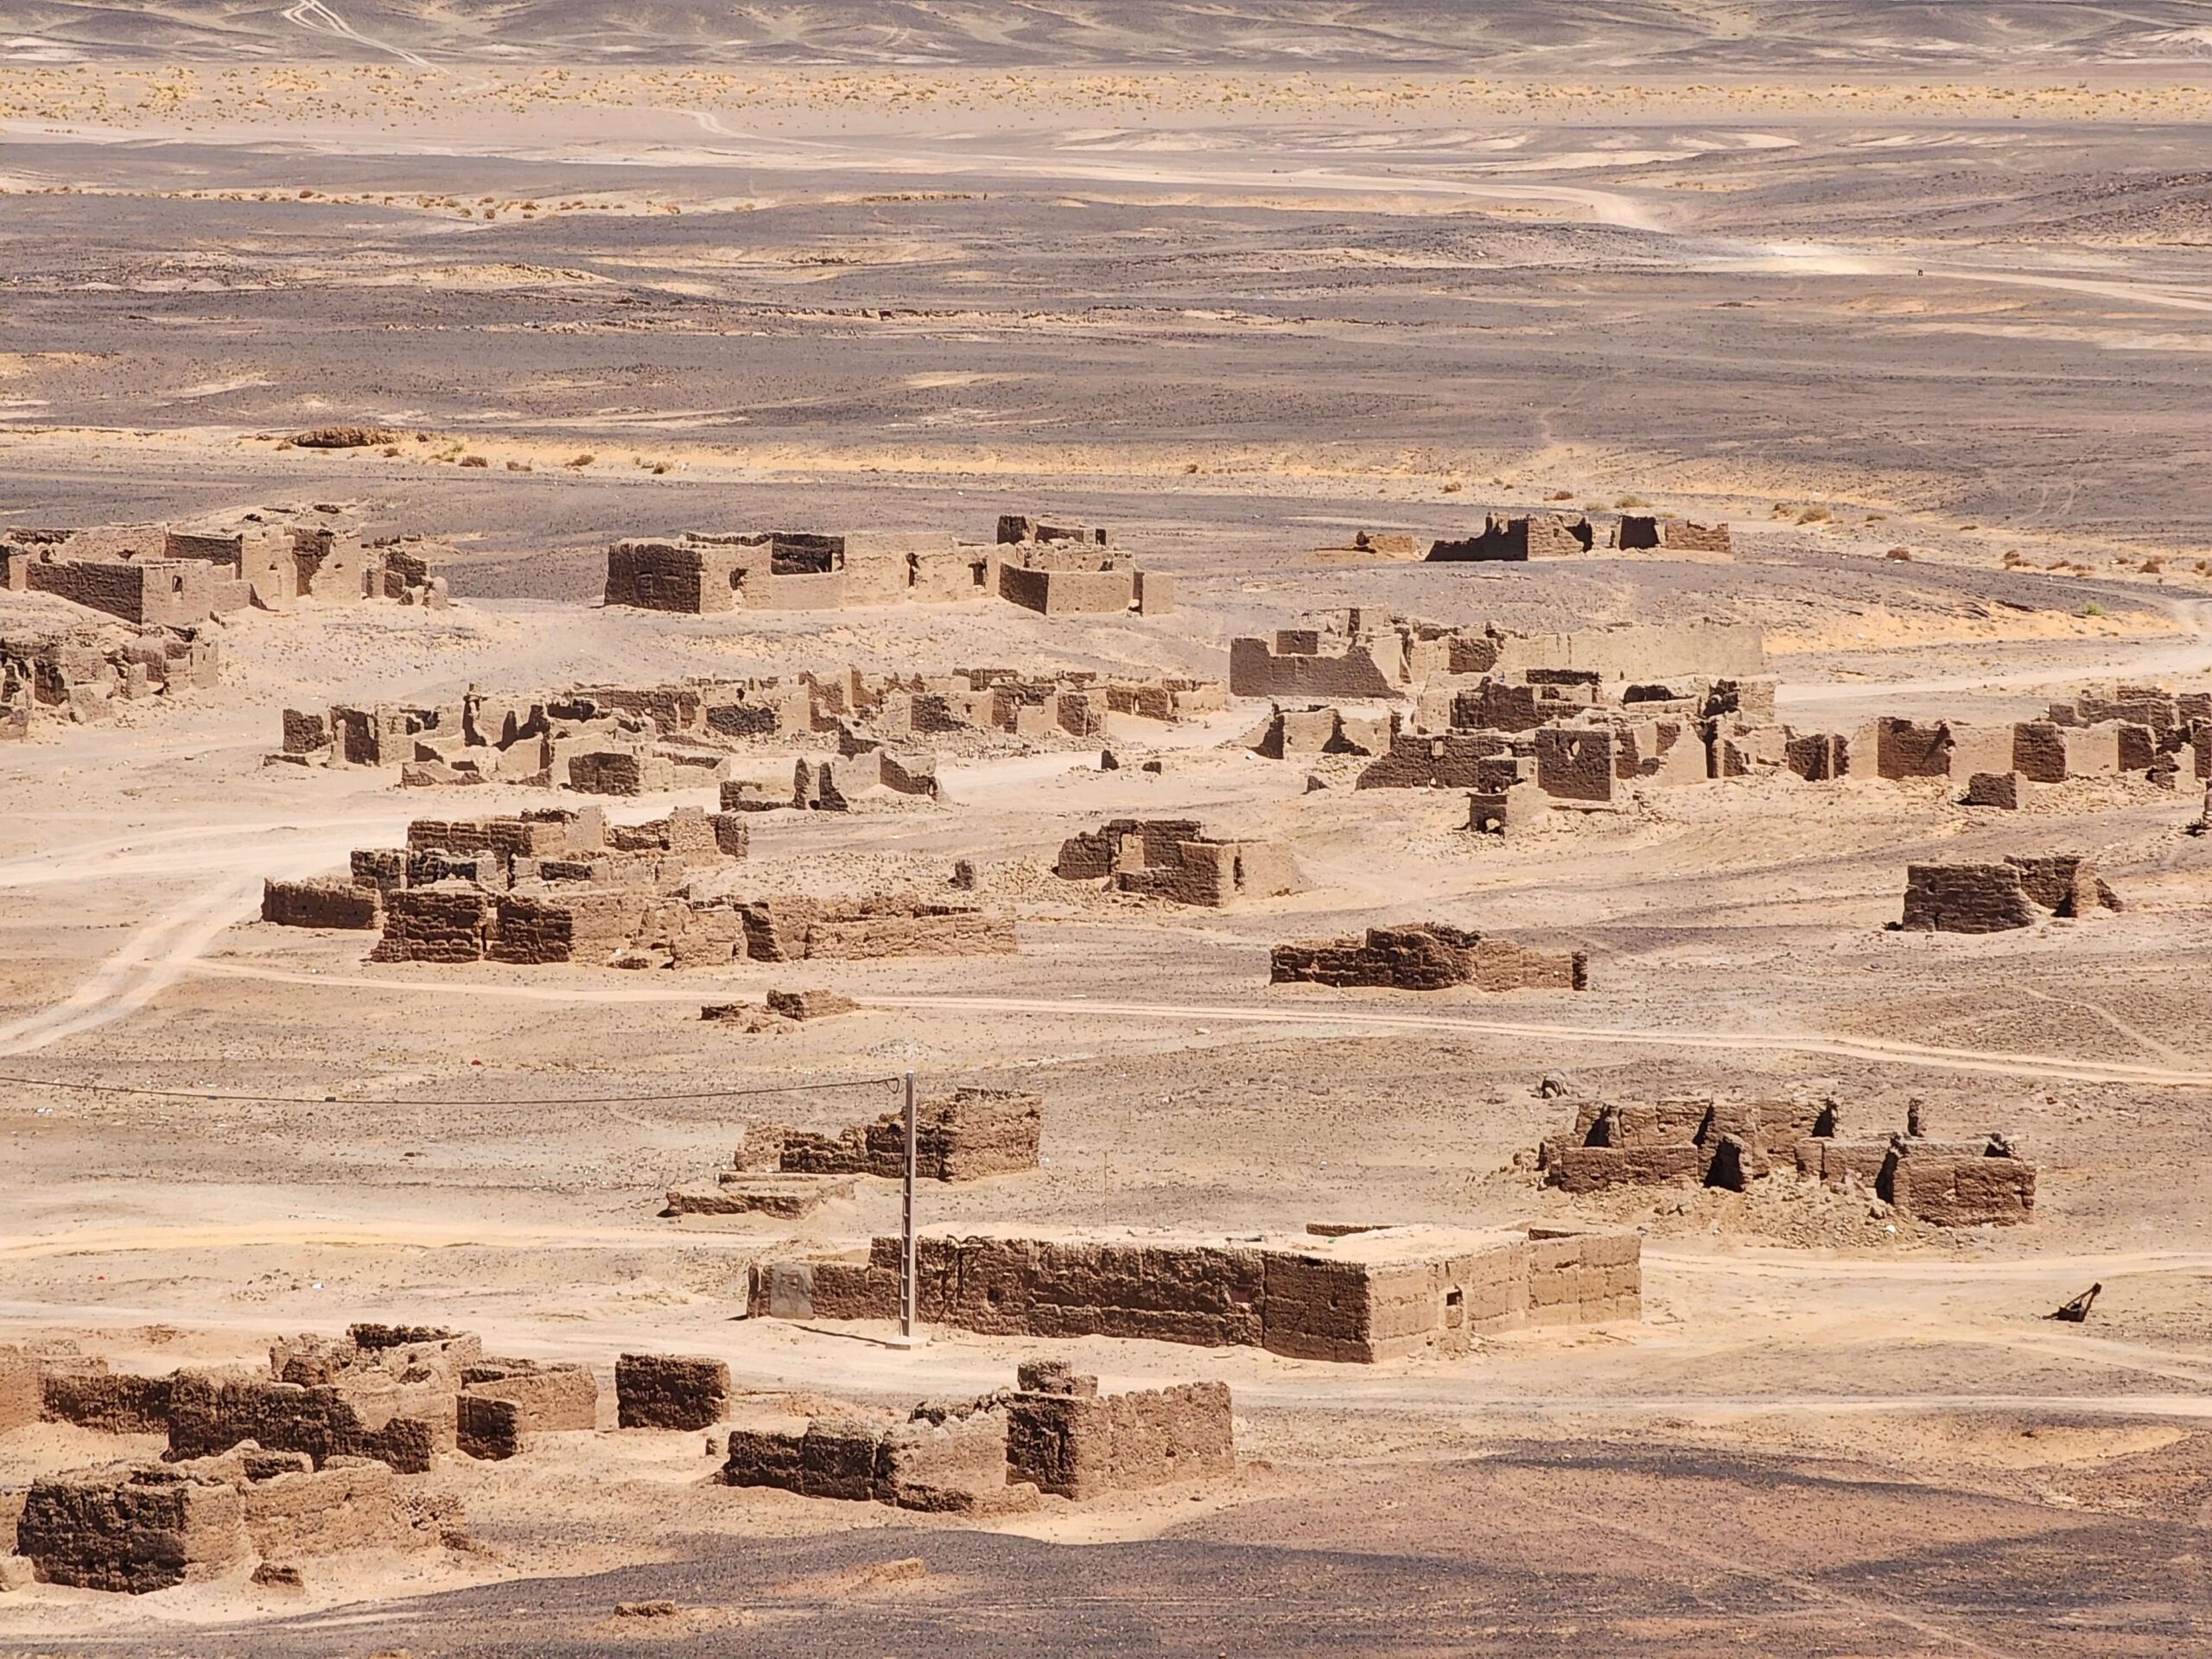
<point x="1172" y="859"/>
<point x="178" y="576"/>
<point x="1432" y="956"/>
<point x="1055" y="1433"/>
<point x="1383" y="1294"/>
<point x="670" y="1392"/>
<point x="1051" y="568"/>
<point x="960" y="1136"/>
<point x="632" y="740"/>
<point x="1067" y="1439"/>
<point x="138" y="1527"/>
<point x="1732" y="1144"/>
<point x="1516" y="538"/>
<point x="85" y="675"/>
<point x="1993" y="898"/>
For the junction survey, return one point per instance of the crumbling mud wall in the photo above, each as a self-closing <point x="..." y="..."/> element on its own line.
<point x="86" y="1393"/>
<point x="140" y="1527"/>
<point x="1386" y="1294"/>
<point x="1673" y="535"/>
<point x="670" y="1392"/>
<point x="795" y="929"/>
<point x="945" y="1458"/>
<point x="1516" y="538"/>
<point x="321" y="904"/>
<point x="502" y="1401"/>
<point x="1172" y="860"/>
<point x="1430" y="957"/>
<point x="1992" y="898"/>
<point x="1733" y="1143"/>
<point x="132" y="1532"/>
<point x="1064" y="1437"/>
<point x="962" y="1136"/>
<point x="83" y="674"/>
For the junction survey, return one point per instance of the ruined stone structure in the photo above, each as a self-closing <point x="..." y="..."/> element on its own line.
<point x="627" y="740"/>
<point x="1066" y="1438"/>
<point x="21" y="1398"/>
<point x="785" y="570"/>
<point x="1382" y="1293"/>
<point x="502" y="1401"/>
<point x="1362" y="655"/>
<point x="146" y="1527"/>
<point x="670" y="1392"/>
<point x="961" y="1136"/>
<point x="868" y="772"/>
<point x="783" y="1171"/>
<point x="940" y="1457"/>
<point x="1321" y="728"/>
<point x="1173" y="859"/>
<point x="381" y="1393"/>
<point x="85" y="675"/>
<point x="1430" y="957"/>
<point x="1732" y="1144"/>
<point x="1053" y="1433"/>
<point x="86" y="1393"/>
<point x="1053" y="568"/>
<point x="170" y="577"/>
<point x="559" y="886"/>
<point x="1991" y="898"/>
<point x="1515" y="540"/>
<point x="1673" y="535"/>
<point x="327" y="904"/>
<point x="797" y="928"/>
<point x="1059" y="571"/>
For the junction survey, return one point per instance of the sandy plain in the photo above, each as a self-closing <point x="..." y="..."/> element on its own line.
<point x="1951" y="299"/>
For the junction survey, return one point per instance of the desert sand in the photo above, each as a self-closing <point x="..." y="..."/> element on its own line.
<point x="1844" y="281"/>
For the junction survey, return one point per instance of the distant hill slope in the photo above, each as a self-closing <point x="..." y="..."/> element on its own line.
<point x="1550" y="36"/>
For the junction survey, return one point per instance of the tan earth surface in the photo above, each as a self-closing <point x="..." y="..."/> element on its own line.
<point x="1846" y="278"/>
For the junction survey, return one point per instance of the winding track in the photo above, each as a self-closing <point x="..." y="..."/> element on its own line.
<point x="1918" y="1055"/>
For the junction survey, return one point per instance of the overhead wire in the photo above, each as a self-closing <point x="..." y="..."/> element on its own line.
<point x="356" y="1100"/>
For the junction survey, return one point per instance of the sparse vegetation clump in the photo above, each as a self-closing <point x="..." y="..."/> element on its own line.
<point x="344" y="437"/>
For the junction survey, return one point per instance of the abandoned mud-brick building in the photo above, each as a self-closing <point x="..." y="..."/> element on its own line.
<point x="1429" y="956"/>
<point x="1991" y="898"/>
<point x="157" y="574"/>
<point x="84" y="1391"/>
<point x="147" y="1527"/>
<point x="670" y="1392"/>
<point x="1053" y="1433"/>
<point x="1362" y="655"/>
<point x="1733" y="1143"/>
<point x="796" y="928"/>
<point x="1066" y="1438"/>
<point x="1537" y="535"/>
<point x="132" y="1531"/>
<point x="502" y="1401"/>
<point x="944" y="1459"/>
<point x="1173" y="859"/>
<point x="784" y="570"/>
<point x="1383" y="1293"/>
<point x="1695" y="1141"/>
<point x="1673" y="535"/>
<point x="1319" y="729"/>
<point x="84" y="674"/>
<point x="22" y="1396"/>
<point x="1063" y="569"/>
<point x="961" y="1136"/>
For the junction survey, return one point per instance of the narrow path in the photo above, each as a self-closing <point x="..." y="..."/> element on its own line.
<point x="318" y="18"/>
<point x="2042" y="1066"/>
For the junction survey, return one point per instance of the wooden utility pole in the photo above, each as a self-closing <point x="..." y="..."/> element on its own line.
<point x="906" y="1288"/>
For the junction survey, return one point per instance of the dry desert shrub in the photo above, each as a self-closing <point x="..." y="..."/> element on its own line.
<point x="344" y="437"/>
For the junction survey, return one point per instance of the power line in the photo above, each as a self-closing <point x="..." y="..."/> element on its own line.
<point x="346" y="1100"/>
